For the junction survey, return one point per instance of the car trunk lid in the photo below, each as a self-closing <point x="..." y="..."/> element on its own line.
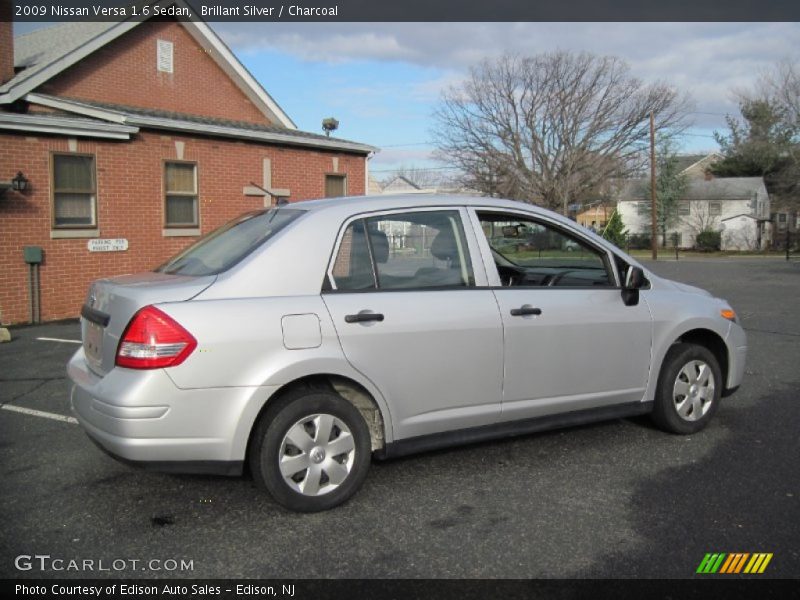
<point x="111" y="303"/>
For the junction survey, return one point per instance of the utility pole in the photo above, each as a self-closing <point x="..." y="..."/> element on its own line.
<point x="653" y="230"/>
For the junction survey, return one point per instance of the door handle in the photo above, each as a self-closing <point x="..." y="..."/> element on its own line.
<point x="525" y="309"/>
<point x="363" y="317"/>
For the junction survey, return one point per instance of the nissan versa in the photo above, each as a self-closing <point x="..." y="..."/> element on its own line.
<point x="302" y="340"/>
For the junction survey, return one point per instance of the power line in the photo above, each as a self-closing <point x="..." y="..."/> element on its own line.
<point x="416" y="169"/>
<point x="405" y="145"/>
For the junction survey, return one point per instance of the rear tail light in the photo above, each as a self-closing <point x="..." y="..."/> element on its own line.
<point x="153" y="340"/>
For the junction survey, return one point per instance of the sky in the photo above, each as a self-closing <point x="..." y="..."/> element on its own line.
<point x="382" y="81"/>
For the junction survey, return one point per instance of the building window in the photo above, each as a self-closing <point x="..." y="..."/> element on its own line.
<point x="180" y="188"/>
<point x="781" y="217"/>
<point x="642" y="208"/>
<point x="683" y="209"/>
<point x="714" y="209"/>
<point x="74" y="191"/>
<point x="335" y="186"/>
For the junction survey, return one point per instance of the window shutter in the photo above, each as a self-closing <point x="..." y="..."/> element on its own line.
<point x="164" y="58"/>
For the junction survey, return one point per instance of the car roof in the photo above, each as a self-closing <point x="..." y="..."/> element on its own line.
<point x="356" y="204"/>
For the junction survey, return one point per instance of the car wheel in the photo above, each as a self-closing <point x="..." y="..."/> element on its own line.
<point x="689" y="389"/>
<point x="311" y="451"/>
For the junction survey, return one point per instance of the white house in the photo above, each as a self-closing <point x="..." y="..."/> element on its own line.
<point x="738" y="207"/>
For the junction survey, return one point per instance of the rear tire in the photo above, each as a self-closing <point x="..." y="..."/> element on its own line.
<point x="689" y="389"/>
<point x="311" y="450"/>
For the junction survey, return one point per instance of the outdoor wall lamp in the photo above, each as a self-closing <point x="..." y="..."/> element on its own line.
<point x="19" y="183"/>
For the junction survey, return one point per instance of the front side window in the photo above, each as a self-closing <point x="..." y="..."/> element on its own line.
<point x="415" y="250"/>
<point x="531" y="253"/>
<point x="683" y="209"/>
<point x="714" y="209"/>
<point x="74" y="191"/>
<point x="180" y="188"/>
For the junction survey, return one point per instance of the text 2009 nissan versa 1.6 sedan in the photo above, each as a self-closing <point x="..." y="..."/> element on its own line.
<point x="304" y="339"/>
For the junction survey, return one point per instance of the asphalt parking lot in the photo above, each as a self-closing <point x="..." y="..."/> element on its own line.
<point x="617" y="499"/>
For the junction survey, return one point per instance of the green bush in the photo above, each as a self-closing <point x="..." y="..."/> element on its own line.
<point x="708" y="241"/>
<point x="639" y="241"/>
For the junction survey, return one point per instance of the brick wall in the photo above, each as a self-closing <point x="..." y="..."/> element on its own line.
<point x="124" y="72"/>
<point x="6" y="43"/>
<point x="130" y="205"/>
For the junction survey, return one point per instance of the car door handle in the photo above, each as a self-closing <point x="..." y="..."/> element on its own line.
<point x="362" y="317"/>
<point x="525" y="309"/>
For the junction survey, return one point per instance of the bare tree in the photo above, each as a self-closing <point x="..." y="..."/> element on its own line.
<point x="782" y="86"/>
<point x="765" y="141"/>
<point x="419" y="176"/>
<point x="547" y="128"/>
<point x="700" y="218"/>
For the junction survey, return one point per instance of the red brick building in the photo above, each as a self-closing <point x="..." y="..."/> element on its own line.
<point x="150" y="134"/>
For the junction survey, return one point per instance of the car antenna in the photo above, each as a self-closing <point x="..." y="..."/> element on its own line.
<point x="278" y="201"/>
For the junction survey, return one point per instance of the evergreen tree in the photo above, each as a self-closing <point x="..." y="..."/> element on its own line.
<point x="615" y="231"/>
<point x="671" y="187"/>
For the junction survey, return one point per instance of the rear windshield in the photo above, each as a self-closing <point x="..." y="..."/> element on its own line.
<point x="224" y="247"/>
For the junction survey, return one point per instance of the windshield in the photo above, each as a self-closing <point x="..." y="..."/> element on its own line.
<point x="224" y="247"/>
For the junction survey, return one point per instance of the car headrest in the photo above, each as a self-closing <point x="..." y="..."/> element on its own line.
<point x="380" y="245"/>
<point x="444" y="246"/>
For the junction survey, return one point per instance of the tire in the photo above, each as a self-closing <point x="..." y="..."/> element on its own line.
<point x="689" y="389"/>
<point x="324" y="446"/>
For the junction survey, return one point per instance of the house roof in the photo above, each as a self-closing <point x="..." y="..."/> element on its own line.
<point x="66" y="125"/>
<point x="723" y="188"/>
<point x="400" y="183"/>
<point x="137" y="117"/>
<point x="45" y="53"/>
<point x="684" y="161"/>
<point x="742" y="215"/>
<point x="687" y="161"/>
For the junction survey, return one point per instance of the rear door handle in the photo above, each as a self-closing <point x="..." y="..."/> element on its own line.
<point x="363" y="317"/>
<point x="525" y="309"/>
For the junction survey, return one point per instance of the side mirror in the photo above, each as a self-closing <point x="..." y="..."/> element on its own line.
<point x="634" y="281"/>
<point x="634" y="278"/>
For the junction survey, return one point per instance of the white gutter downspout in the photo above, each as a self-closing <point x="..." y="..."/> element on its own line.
<point x="366" y="172"/>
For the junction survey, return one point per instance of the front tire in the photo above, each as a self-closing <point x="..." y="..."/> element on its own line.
<point x="311" y="451"/>
<point x="689" y="389"/>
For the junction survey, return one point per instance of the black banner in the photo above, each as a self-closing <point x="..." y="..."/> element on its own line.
<point x="405" y="10"/>
<point x="730" y="588"/>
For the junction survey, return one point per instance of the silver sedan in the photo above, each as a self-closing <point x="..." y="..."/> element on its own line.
<point x="302" y="340"/>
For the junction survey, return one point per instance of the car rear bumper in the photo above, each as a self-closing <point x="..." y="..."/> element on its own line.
<point x="141" y="417"/>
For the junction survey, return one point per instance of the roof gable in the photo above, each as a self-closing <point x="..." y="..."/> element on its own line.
<point x="46" y="54"/>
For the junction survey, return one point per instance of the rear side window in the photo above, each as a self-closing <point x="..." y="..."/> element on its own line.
<point x="414" y="250"/>
<point x="224" y="247"/>
<point x="353" y="267"/>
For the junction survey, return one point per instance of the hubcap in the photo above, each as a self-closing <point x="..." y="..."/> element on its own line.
<point x="693" y="391"/>
<point x="316" y="454"/>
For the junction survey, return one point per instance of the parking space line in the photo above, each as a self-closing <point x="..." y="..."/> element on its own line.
<point x="49" y="339"/>
<point x="39" y="413"/>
